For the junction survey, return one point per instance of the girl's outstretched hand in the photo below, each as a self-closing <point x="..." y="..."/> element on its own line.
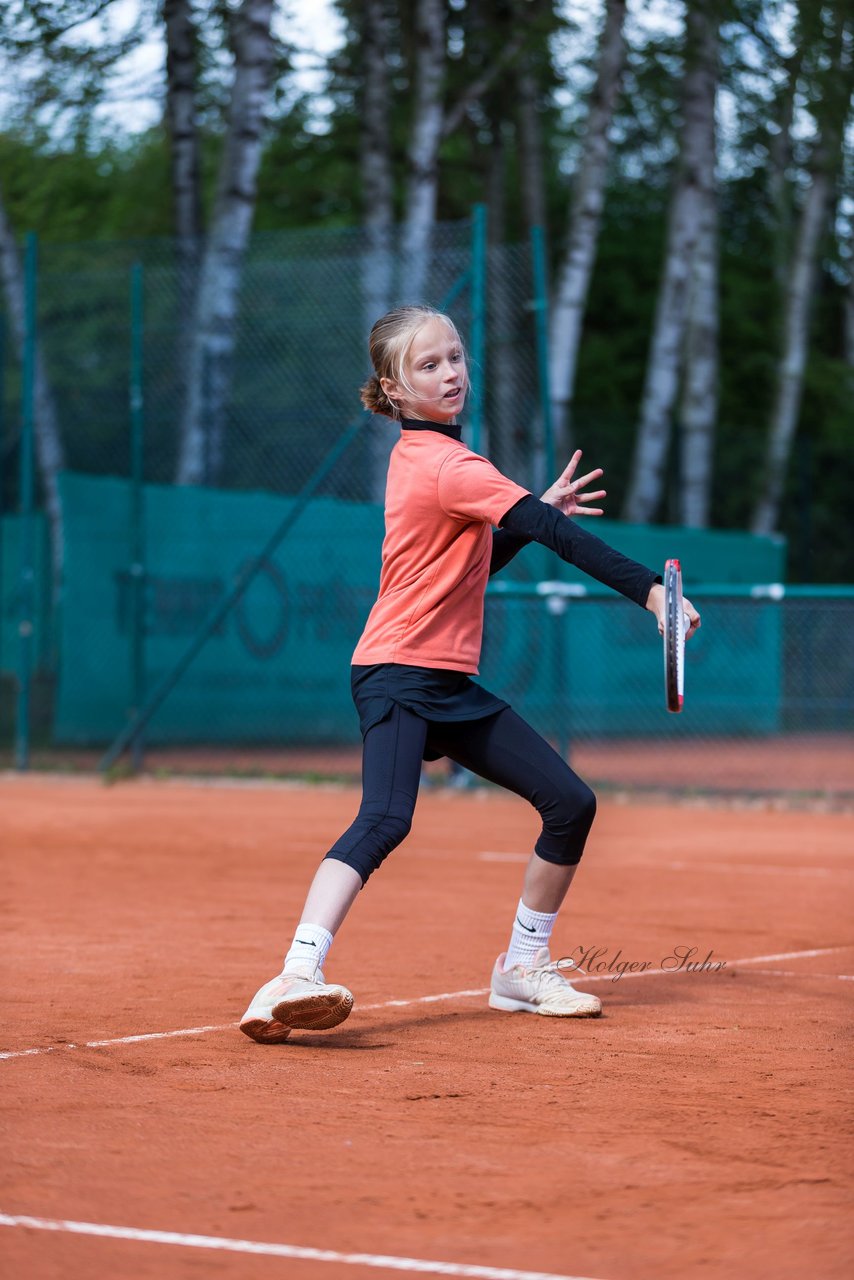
<point x="566" y="495"/>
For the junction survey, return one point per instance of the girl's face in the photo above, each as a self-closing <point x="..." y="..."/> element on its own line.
<point x="435" y="370"/>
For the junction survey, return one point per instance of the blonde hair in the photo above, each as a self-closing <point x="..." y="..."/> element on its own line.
<point x="389" y="344"/>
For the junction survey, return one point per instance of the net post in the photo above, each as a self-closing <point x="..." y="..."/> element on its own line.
<point x="27" y="574"/>
<point x="2" y="441"/>
<point x="137" y="511"/>
<point x="557" y="606"/>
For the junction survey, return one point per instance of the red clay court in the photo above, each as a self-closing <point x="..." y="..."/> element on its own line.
<point x="698" y="1129"/>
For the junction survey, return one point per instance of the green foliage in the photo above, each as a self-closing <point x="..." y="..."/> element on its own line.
<point x="80" y="184"/>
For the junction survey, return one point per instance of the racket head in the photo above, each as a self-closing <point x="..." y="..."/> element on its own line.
<point x="674" y="637"/>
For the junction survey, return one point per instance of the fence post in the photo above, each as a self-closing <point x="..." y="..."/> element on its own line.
<point x="478" y="322"/>
<point x="541" y="326"/>
<point x="557" y="607"/>
<point x="27" y="578"/>
<point x="137" y="512"/>
<point x="2" y="441"/>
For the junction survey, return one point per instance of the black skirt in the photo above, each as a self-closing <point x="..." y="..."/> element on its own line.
<point x="429" y="692"/>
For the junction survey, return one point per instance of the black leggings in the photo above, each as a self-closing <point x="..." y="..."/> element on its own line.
<point x="501" y="748"/>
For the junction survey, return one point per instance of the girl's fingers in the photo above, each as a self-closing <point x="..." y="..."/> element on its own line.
<point x="693" y="618"/>
<point x="570" y="468"/>
<point x="591" y="475"/>
<point x="588" y="511"/>
<point x="574" y="491"/>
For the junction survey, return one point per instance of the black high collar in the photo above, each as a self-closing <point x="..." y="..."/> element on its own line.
<point x="444" y="429"/>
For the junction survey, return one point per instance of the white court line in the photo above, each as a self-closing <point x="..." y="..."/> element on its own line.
<point x="228" y="1245"/>
<point x="758" y="870"/>
<point x="797" y="973"/>
<point x="491" y="855"/>
<point x="402" y="1004"/>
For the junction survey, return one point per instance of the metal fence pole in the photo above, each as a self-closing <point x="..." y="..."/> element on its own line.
<point x="541" y="324"/>
<point x="478" y="322"/>
<point x="137" y="511"/>
<point x="27" y="576"/>
<point x="557" y="607"/>
<point x="2" y="435"/>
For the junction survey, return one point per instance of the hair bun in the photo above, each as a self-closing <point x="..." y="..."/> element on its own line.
<point x="375" y="399"/>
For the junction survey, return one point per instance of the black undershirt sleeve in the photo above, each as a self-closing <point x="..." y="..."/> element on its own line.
<point x="505" y="545"/>
<point x="537" y="521"/>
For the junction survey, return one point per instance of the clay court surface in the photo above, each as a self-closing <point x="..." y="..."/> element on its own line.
<point x="790" y="769"/>
<point x="700" y="1128"/>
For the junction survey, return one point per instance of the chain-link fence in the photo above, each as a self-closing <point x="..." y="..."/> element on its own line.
<point x="769" y="699"/>
<point x="296" y="355"/>
<point x="285" y="501"/>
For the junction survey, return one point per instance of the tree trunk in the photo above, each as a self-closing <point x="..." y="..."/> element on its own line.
<point x="50" y="455"/>
<point x="501" y="383"/>
<point x="530" y="148"/>
<point x="790" y="372"/>
<point x="184" y="144"/>
<point x="779" y="161"/>
<point x="378" y="207"/>
<point x="212" y="342"/>
<point x="665" y="358"/>
<point x="588" y="194"/>
<point x="375" y="157"/>
<point x="848" y="305"/>
<point x="833" y="111"/>
<point x="700" y="387"/>
<point x="806" y="32"/>
<point x="585" y="216"/>
<point x="426" y="136"/>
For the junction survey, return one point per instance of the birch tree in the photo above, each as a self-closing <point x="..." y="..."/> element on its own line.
<point x="699" y="408"/>
<point x="501" y="420"/>
<point x="687" y="202"/>
<point x="50" y="455"/>
<point x="426" y="136"/>
<point x="378" y="216"/>
<point x="849" y="310"/>
<point x="831" y="110"/>
<point x="779" y="163"/>
<point x="588" y="195"/>
<point x="202" y="431"/>
<point x="530" y="148"/>
<point x="432" y="123"/>
<point x="181" y="67"/>
<point x="375" y="159"/>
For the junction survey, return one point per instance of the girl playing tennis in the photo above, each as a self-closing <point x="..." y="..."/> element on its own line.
<point x="411" y="677"/>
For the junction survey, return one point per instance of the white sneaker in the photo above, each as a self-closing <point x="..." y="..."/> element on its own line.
<point x="541" y="989"/>
<point x="295" y="1002"/>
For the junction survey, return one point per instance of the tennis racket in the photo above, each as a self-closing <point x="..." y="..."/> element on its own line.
<point x="676" y="624"/>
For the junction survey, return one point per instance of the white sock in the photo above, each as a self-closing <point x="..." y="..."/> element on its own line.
<point x="531" y="932"/>
<point x="310" y="945"/>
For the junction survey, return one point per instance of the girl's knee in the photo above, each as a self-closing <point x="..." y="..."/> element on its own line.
<point x="586" y="805"/>
<point x="370" y="840"/>
<point x="566" y="824"/>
